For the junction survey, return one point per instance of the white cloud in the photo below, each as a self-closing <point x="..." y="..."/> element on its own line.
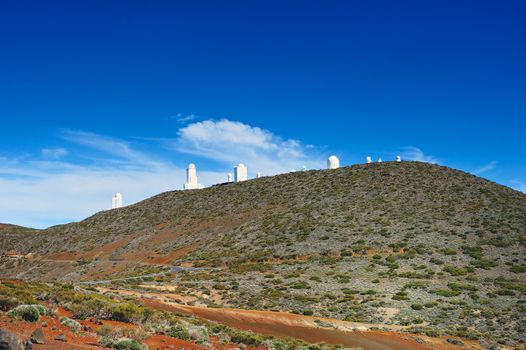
<point x="485" y="168"/>
<point x="232" y="142"/>
<point x="54" y="153"/>
<point x="416" y="154"/>
<point x="39" y="193"/>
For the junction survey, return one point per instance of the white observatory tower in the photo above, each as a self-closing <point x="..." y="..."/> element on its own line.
<point x="240" y="173"/>
<point x="191" y="178"/>
<point x="369" y="159"/>
<point x="398" y="158"/>
<point x="333" y="162"/>
<point x="116" y="201"/>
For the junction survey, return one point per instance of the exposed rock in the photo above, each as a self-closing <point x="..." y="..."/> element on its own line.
<point x="37" y="337"/>
<point x="95" y="320"/>
<point x="61" y="337"/>
<point x="10" y="341"/>
<point x="455" y="341"/>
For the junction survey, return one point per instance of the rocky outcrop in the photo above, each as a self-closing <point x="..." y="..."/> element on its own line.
<point x="10" y="341"/>
<point x="37" y="337"/>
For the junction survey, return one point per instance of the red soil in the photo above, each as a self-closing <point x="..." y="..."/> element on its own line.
<point x="89" y="340"/>
<point x="300" y="327"/>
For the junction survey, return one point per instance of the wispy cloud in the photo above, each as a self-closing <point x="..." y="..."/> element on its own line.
<point x="518" y="185"/>
<point x="232" y="142"/>
<point x="183" y="118"/>
<point x="416" y="154"/>
<point x="54" y="153"/>
<point x="485" y="168"/>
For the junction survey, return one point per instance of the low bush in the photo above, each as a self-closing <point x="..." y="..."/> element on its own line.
<point x="122" y="344"/>
<point x="28" y="313"/>
<point x="198" y="333"/>
<point x="417" y="306"/>
<point x="71" y="324"/>
<point x="179" y="332"/>
<point x="129" y="344"/>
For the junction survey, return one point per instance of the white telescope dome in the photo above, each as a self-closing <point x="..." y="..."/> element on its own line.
<point x="333" y="162"/>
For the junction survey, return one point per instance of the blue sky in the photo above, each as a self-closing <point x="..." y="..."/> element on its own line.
<point x="104" y="96"/>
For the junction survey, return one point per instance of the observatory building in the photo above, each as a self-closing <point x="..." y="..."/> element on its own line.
<point x="333" y="162"/>
<point x="116" y="201"/>
<point x="240" y="173"/>
<point x="191" y="178"/>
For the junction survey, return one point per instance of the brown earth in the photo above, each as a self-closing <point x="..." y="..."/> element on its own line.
<point x="89" y="340"/>
<point x="304" y="327"/>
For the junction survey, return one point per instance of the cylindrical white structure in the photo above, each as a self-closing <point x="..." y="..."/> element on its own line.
<point x="369" y="159"/>
<point x="191" y="178"/>
<point x="116" y="201"/>
<point x="240" y="173"/>
<point x="229" y="177"/>
<point x="333" y="162"/>
<point x="398" y="158"/>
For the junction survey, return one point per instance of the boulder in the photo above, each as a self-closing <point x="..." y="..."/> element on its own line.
<point x="61" y="337"/>
<point x="37" y="337"/>
<point x="455" y="341"/>
<point x="10" y="341"/>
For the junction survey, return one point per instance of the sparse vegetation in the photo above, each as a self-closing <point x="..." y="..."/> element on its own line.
<point x="445" y="248"/>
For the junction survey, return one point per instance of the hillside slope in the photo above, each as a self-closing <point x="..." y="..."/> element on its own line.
<point x="400" y="243"/>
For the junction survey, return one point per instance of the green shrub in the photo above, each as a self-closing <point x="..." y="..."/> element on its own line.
<point x="105" y="330"/>
<point x="448" y="293"/>
<point x="484" y="264"/>
<point x="518" y="268"/>
<point x="454" y="271"/>
<point x="71" y="324"/>
<point x="128" y="344"/>
<point x="28" y="313"/>
<point x="417" y="306"/>
<point x="247" y="338"/>
<point x="198" y="333"/>
<point x="179" y="332"/>
<point x="106" y="341"/>
<point x="127" y="312"/>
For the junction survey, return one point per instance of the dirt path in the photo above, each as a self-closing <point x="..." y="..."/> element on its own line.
<point x="305" y="328"/>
